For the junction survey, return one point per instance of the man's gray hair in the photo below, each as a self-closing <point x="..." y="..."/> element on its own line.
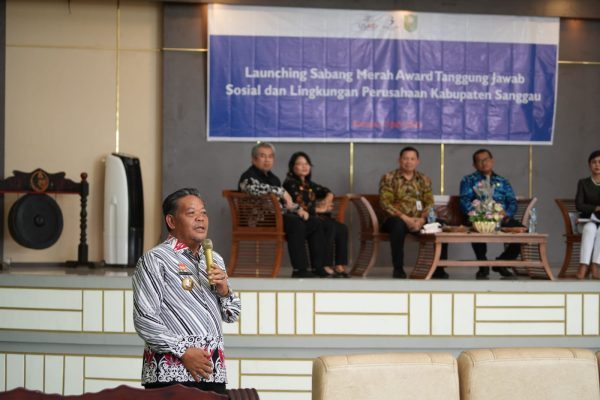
<point x="259" y="145"/>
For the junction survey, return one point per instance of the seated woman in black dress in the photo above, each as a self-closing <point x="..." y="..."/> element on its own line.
<point x="318" y="200"/>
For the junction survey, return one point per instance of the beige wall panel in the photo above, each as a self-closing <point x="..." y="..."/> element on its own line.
<point x="233" y="373"/>
<point x="361" y="302"/>
<point x="304" y="313"/>
<point x="60" y="115"/>
<point x="286" y="312"/>
<point x="128" y="368"/>
<point x="75" y="23"/>
<point x="277" y="382"/>
<point x="574" y="314"/>
<point x="277" y="367"/>
<point x="41" y="320"/>
<point x="73" y="375"/>
<point x="591" y="314"/>
<point x="420" y="314"/>
<point x="15" y="371"/>
<point x="249" y="318"/>
<point x="520" y="314"/>
<point x="141" y="23"/>
<point x="275" y="395"/>
<point x="331" y="324"/>
<point x="92" y="310"/>
<point x="34" y="372"/>
<point x="519" y="300"/>
<point x="129" y="325"/>
<point x="441" y="314"/>
<point x="114" y="311"/>
<point x="139" y="130"/>
<point x="53" y="374"/>
<point x="231" y="328"/>
<point x="267" y="309"/>
<point x="96" y="385"/>
<point x="2" y="372"/>
<point x="519" y="328"/>
<point x="40" y="298"/>
<point x="464" y="315"/>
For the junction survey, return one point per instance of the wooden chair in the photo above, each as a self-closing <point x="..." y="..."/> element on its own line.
<point x="524" y="207"/>
<point x="257" y="235"/>
<point x="570" y="214"/>
<point x="371" y="217"/>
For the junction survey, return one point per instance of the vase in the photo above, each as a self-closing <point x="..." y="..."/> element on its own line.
<point x="484" y="226"/>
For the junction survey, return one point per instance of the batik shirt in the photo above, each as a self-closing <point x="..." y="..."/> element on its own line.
<point x="306" y="194"/>
<point x="257" y="183"/>
<point x="396" y="193"/>
<point x="170" y="319"/>
<point x="503" y="192"/>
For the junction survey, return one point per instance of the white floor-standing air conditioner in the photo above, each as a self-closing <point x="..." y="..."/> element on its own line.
<point x="123" y="210"/>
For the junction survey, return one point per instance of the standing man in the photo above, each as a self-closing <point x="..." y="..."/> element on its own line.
<point x="178" y="305"/>
<point x="405" y="195"/>
<point x="483" y="161"/>
<point x="298" y="224"/>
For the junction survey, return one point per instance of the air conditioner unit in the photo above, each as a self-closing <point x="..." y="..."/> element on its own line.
<point x="123" y="210"/>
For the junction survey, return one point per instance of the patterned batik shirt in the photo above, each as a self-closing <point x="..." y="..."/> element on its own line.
<point x="306" y="194"/>
<point x="257" y="183"/>
<point x="170" y="319"/>
<point x="503" y="192"/>
<point x="397" y="194"/>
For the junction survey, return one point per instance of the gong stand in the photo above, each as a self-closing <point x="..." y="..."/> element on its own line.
<point x="41" y="182"/>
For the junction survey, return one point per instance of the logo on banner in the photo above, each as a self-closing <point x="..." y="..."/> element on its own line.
<point x="370" y="23"/>
<point x="410" y="22"/>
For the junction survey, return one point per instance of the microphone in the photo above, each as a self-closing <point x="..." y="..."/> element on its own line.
<point x="208" y="257"/>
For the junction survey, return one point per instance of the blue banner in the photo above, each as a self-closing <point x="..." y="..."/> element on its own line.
<point x="342" y="87"/>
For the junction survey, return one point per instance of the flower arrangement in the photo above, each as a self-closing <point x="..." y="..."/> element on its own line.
<point x="485" y="209"/>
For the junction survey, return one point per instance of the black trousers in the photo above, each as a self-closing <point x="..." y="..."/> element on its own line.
<point x="511" y="252"/>
<point x="206" y="386"/>
<point x="336" y="242"/>
<point x="297" y="233"/>
<point x="398" y="231"/>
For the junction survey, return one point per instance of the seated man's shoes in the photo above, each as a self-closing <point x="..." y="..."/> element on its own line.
<point x="303" y="274"/>
<point x="503" y="271"/>
<point x="440" y="273"/>
<point x="399" y="274"/>
<point x="483" y="273"/>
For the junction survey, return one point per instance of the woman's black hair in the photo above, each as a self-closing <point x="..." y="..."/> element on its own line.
<point x="292" y="162"/>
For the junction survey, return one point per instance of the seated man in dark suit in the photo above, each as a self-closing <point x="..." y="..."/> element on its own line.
<point x="299" y="226"/>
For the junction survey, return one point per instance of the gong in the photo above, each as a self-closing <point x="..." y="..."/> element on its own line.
<point x="35" y="221"/>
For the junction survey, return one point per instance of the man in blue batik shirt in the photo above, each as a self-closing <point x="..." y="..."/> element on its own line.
<point x="483" y="162"/>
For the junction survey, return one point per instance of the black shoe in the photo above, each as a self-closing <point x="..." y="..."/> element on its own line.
<point x="399" y="274"/>
<point x="483" y="273"/>
<point x="301" y="273"/>
<point x="504" y="271"/>
<point x="440" y="273"/>
<point x="321" y="273"/>
<point x="341" y="274"/>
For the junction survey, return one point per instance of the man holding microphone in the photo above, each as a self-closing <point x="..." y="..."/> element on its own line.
<point x="180" y="300"/>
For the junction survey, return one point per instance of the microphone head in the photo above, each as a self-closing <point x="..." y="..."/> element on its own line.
<point x="207" y="244"/>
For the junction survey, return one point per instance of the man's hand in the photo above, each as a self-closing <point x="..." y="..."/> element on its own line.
<point x="197" y="362"/>
<point x="219" y="278"/>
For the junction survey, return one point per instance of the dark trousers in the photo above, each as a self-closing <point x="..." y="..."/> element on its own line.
<point x="511" y="252"/>
<point x="297" y="233"/>
<point x="398" y="231"/>
<point x="336" y="242"/>
<point x="206" y="386"/>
